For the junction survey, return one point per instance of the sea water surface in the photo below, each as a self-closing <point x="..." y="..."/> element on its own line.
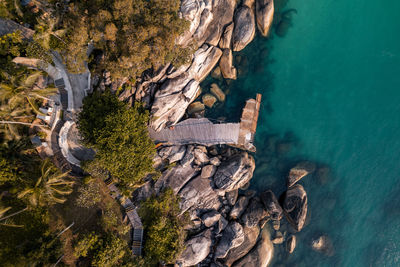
<point x="331" y="94"/>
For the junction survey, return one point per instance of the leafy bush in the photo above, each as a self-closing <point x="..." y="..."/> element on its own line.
<point x="164" y="233"/>
<point x="89" y="195"/>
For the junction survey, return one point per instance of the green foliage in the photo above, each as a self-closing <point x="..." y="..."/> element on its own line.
<point x="89" y="195"/>
<point x="119" y="135"/>
<point x="96" y="108"/>
<point x="49" y="188"/>
<point x="112" y="253"/>
<point x="87" y="243"/>
<point x="133" y="34"/>
<point x="164" y="233"/>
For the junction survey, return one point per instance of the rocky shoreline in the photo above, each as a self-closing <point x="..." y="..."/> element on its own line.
<point x="230" y="225"/>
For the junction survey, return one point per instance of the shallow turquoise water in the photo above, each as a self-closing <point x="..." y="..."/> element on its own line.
<point x="331" y="91"/>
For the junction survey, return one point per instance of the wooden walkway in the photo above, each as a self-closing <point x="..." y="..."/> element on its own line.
<point x="204" y="132"/>
<point x="198" y="131"/>
<point x="133" y="216"/>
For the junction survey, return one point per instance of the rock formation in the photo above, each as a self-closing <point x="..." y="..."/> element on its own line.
<point x="295" y="206"/>
<point x="299" y="171"/>
<point x="264" y="15"/>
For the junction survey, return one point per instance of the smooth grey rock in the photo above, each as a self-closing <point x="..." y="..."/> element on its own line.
<point x="234" y="172"/>
<point x="208" y="171"/>
<point x="232" y="196"/>
<point x="250" y="239"/>
<point x="291" y="244"/>
<point x="226" y="38"/>
<point x="201" y="156"/>
<point x="239" y="207"/>
<point x="172" y="153"/>
<point x="143" y="192"/>
<point x="299" y="171"/>
<point x="254" y="213"/>
<point x="260" y="255"/>
<point x="210" y="218"/>
<point x="264" y="15"/>
<point x="170" y="102"/>
<point x="175" y="178"/>
<point x="244" y="30"/>
<point x="188" y="158"/>
<point x="232" y="237"/>
<point x="199" y="193"/>
<point x="205" y="58"/>
<point x="222" y="224"/>
<point x="205" y="19"/>
<point x="196" y="249"/>
<point x="271" y="205"/>
<point x="295" y="206"/>
<point x="226" y="65"/>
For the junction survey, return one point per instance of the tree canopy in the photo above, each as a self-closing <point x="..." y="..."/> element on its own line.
<point x="133" y="34"/>
<point x="120" y="137"/>
<point x="163" y="225"/>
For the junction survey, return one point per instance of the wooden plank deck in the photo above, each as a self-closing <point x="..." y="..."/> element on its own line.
<point x="198" y="131"/>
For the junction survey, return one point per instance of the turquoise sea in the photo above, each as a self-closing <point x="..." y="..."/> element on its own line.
<point x="331" y="94"/>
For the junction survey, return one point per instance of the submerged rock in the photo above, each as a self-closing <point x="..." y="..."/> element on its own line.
<point x="295" y="206"/>
<point x="244" y="30"/>
<point x="299" y="171"/>
<point x="264" y="15"/>
<point x="219" y="94"/>
<point x="232" y="237"/>
<point x="323" y="244"/>
<point x="196" y="249"/>
<point x="195" y="107"/>
<point x="271" y="205"/>
<point x="209" y="100"/>
<point x="234" y="172"/>
<point x="250" y="238"/>
<point x="260" y="255"/>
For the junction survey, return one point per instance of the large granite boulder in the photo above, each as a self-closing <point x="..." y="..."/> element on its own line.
<point x="299" y="171"/>
<point x="208" y="171"/>
<point x="260" y="255"/>
<point x="172" y="153"/>
<point x="295" y="206"/>
<point x="271" y="205"/>
<point x="210" y="218"/>
<point x="232" y="237"/>
<point x="171" y="101"/>
<point x="191" y="10"/>
<point x="250" y="239"/>
<point x="199" y="193"/>
<point x="226" y="38"/>
<point x="234" y="172"/>
<point x="254" y="213"/>
<point x="175" y="178"/>
<point x="196" y="249"/>
<point x="264" y="15"/>
<point x="226" y="65"/>
<point x="239" y="207"/>
<point x="245" y="28"/>
<point x="205" y="58"/>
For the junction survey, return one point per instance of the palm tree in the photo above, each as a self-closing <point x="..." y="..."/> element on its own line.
<point x="51" y="186"/>
<point x="24" y="87"/>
